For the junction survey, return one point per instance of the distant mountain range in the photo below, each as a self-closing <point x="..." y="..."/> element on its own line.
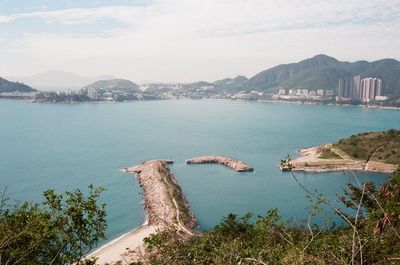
<point x="322" y="71"/>
<point x="318" y="72"/>
<point x="58" y="80"/>
<point x="7" y="86"/>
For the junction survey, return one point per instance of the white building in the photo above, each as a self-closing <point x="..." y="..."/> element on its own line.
<point x="92" y="93"/>
<point x="381" y="98"/>
<point x="282" y="92"/>
<point x="370" y="88"/>
<point x="304" y="92"/>
<point x="320" y="92"/>
<point x="329" y="92"/>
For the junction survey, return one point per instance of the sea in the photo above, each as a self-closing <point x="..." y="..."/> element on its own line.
<point x="70" y="146"/>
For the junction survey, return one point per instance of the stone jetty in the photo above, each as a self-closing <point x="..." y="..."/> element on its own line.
<point x="222" y="160"/>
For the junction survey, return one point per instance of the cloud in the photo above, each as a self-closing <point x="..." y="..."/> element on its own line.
<point x="213" y="38"/>
<point x="84" y="15"/>
<point x="5" y="19"/>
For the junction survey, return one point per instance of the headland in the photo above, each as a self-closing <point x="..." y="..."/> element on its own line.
<point x="373" y="151"/>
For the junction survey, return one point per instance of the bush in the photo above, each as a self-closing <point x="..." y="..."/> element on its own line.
<point x="61" y="230"/>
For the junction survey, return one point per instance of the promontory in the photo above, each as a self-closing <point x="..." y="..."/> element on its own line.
<point x="370" y="151"/>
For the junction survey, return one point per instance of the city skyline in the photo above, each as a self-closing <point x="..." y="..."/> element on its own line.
<point x="356" y="88"/>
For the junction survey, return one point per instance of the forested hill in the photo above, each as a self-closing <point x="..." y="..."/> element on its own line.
<point x="322" y="71"/>
<point x="7" y="86"/>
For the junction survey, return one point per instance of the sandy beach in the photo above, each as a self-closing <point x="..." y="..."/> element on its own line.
<point x="162" y="211"/>
<point x="115" y="250"/>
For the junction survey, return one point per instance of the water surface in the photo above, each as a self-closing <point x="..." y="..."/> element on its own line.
<point x="65" y="147"/>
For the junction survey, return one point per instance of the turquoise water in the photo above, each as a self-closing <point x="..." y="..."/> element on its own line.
<point x="65" y="147"/>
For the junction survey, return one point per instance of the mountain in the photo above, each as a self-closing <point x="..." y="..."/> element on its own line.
<point x="322" y="71"/>
<point x="237" y="83"/>
<point x="114" y="84"/>
<point x="58" y="80"/>
<point x="7" y="86"/>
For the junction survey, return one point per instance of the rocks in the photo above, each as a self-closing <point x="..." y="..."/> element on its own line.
<point x="222" y="160"/>
<point x="157" y="183"/>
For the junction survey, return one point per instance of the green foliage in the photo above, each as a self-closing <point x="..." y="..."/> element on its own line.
<point x="269" y="240"/>
<point x="7" y="86"/>
<point x="374" y="146"/>
<point x="61" y="230"/>
<point x="326" y="153"/>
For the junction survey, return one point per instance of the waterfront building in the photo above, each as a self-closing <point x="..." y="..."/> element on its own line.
<point x="381" y="98"/>
<point x="359" y="89"/>
<point x="370" y="88"/>
<point x="92" y="93"/>
<point x="281" y="92"/>
<point x="349" y="87"/>
<point x="312" y="93"/>
<point x="291" y="92"/>
<point x="320" y="92"/>
<point x="329" y="92"/>
<point x="304" y="92"/>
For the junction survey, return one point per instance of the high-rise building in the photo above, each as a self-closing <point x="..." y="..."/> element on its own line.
<point x="370" y="88"/>
<point x="92" y="93"/>
<point x="359" y="89"/>
<point x="356" y="87"/>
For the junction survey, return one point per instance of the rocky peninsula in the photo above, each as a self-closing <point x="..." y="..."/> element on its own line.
<point x="222" y="160"/>
<point x="165" y="206"/>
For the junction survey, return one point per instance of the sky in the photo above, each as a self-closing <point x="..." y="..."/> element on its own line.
<point x="189" y="40"/>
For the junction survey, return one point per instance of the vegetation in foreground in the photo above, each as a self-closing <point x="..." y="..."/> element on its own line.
<point x="61" y="230"/>
<point x="372" y="235"/>
<point x="374" y="146"/>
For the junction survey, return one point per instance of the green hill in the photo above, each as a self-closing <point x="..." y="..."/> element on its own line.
<point x="322" y="71"/>
<point x="8" y="86"/>
<point x="114" y="84"/>
<point x="373" y="146"/>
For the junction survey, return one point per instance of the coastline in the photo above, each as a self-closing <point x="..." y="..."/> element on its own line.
<point x="220" y="99"/>
<point x="162" y="211"/>
<point x="310" y="161"/>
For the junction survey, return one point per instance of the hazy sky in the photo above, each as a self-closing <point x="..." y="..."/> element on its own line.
<point x="186" y="40"/>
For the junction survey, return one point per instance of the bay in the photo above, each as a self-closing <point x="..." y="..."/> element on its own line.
<point x="65" y="147"/>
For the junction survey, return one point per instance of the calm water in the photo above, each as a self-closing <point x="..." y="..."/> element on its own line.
<point x="65" y="147"/>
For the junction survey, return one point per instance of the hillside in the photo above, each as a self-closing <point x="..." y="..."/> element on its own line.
<point x="114" y="84"/>
<point x="8" y="86"/>
<point x="322" y="71"/>
<point x="373" y="146"/>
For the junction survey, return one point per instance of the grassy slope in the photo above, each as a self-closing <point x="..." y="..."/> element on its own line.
<point x="376" y="146"/>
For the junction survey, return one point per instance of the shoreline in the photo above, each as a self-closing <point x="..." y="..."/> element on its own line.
<point x="309" y="161"/>
<point x="222" y="99"/>
<point x="162" y="210"/>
